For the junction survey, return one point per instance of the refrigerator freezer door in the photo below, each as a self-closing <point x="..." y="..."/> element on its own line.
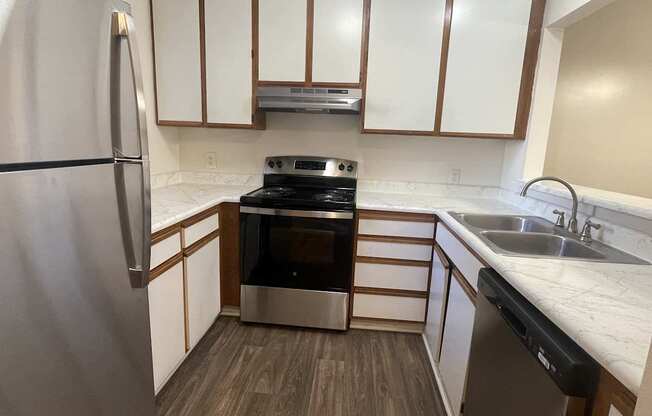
<point x="75" y="333"/>
<point x="55" y="75"/>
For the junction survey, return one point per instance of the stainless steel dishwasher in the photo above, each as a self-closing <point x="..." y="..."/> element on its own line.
<point x="520" y="362"/>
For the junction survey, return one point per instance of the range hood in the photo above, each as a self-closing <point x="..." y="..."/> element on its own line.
<point x="310" y="100"/>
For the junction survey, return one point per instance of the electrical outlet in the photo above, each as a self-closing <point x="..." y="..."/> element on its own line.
<point x="455" y="176"/>
<point x="211" y="160"/>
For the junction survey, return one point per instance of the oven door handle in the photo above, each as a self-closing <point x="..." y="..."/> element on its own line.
<point x="297" y="213"/>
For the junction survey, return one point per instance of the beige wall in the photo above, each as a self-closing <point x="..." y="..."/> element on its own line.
<point x="163" y="141"/>
<point x="600" y="133"/>
<point x="397" y="158"/>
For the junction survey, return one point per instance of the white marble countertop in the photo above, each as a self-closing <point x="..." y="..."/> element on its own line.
<point x="175" y="203"/>
<point x="605" y="308"/>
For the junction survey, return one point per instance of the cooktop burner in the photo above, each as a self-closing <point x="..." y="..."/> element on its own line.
<point x="274" y="192"/>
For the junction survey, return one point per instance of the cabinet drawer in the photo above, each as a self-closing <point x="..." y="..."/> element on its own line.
<point x="460" y="256"/>
<point x="389" y="250"/>
<point x="389" y="307"/>
<point x="165" y="249"/>
<point x="391" y="276"/>
<point x="396" y="228"/>
<point x="200" y="229"/>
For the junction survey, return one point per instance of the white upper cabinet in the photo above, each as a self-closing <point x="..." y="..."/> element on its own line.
<point x="485" y="65"/>
<point x="337" y="41"/>
<point x="282" y="29"/>
<point x="403" y="64"/>
<point x="229" y="90"/>
<point x="177" y="55"/>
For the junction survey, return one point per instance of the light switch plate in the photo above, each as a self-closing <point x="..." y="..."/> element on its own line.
<point x="211" y="160"/>
<point x="455" y="176"/>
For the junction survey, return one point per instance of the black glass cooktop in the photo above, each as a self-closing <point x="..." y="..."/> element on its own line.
<point x="289" y="197"/>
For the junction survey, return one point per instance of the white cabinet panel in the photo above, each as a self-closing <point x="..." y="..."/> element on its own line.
<point x="282" y="40"/>
<point x="403" y="64"/>
<point x="439" y="282"/>
<point x="396" y="228"/>
<point x="461" y="257"/>
<point x="200" y="229"/>
<point x="614" y="412"/>
<point x="390" y="276"/>
<point x="167" y="322"/>
<point x="456" y="344"/>
<point x="337" y="41"/>
<point x="228" y="61"/>
<point x="177" y="54"/>
<point x="203" y="289"/>
<point x="165" y="249"/>
<point x="389" y="307"/>
<point x="400" y="251"/>
<point x="485" y="62"/>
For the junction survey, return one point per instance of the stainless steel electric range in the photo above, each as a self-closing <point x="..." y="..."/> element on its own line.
<point x="296" y="243"/>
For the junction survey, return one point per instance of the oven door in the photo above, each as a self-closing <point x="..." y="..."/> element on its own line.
<point x="311" y="250"/>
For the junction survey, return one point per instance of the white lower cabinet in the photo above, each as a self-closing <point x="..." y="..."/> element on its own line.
<point x="456" y="344"/>
<point x="203" y="289"/>
<point x="439" y="283"/>
<point x="167" y="323"/>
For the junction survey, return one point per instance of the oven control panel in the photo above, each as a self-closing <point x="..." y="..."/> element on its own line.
<point x="311" y="166"/>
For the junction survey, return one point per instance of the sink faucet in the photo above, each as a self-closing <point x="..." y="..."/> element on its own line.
<point x="572" y="223"/>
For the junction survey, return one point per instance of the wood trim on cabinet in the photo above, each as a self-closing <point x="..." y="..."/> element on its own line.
<point x="383" y="320"/>
<point x="390" y="292"/>
<point x="202" y="60"/>
<point x="151" y="28"/>
<point x="466" y="286"/>
<point x="201" y="216"/>
<point x="334" y="85"/>
<point x="398" y="132"/>
<point x="179" y="123"/>
<point x="256" y="119"/>
<point x="466" y="246"/>
<point x="310" y="24"/>
<point x="364" y="59"/>
<point x="530" y="58"/>
<point x="443" y="65"/>
<point x="398" y="240"/>
<point x="186" y="320"/>
<point x="529" y="68"/>
<point x="230" y="126"/>
<point x="165" y="266"/>
<point x="161" y="235"/>
<point x="442" y="256"/>
<point x="392" y="262"/>
<point x="395" y="216"/>
<point x="189" y="251"/>
<point x="281" y="83"/>
<point x="230" y="253"/>
<point x="611" y="392"/>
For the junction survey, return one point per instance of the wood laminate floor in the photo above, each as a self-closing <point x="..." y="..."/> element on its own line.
<point x="243" y="369"/>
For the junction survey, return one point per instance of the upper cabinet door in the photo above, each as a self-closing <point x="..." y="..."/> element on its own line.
<point x="282" y="29"/>
<point x="177" y="61"/>
<point x="403" y="65"/>
<point x="228" y="31"/>
<point x="488" y="68"/>
<point x="337" y="41"/>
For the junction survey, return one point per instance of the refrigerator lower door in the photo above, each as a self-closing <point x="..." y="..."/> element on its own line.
<point x="75" y="331"/>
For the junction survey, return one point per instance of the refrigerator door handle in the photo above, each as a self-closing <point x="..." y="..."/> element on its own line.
<point x="138" y="265"/>
<point x="123" y="26"/>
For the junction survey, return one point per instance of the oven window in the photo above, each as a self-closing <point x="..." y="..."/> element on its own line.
<point x="301" y="253"/>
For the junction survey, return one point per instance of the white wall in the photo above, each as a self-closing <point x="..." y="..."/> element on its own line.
<point x="382" y="157"/>
<point x="163" y="141"/>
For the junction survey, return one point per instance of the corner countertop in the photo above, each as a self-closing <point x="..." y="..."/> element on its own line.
<point x="605" y="308"/>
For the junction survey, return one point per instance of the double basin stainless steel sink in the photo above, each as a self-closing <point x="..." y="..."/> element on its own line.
<point x="529" y="236"/>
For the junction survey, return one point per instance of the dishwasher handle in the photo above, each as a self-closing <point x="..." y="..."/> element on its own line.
<point x="519" y="328"/>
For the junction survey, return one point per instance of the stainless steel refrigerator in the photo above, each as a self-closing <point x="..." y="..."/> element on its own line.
<point x="74" y="212"/>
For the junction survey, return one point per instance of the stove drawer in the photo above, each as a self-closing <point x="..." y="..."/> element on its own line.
<point x="392" y="248"/>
